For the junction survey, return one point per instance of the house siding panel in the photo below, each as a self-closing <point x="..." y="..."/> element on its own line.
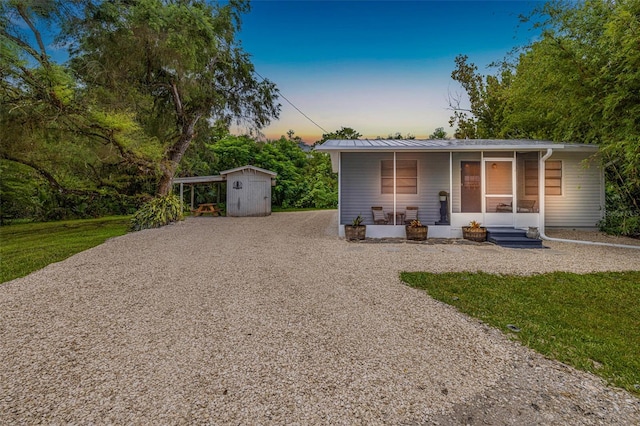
<point x="581" y="204"/>
<point x="361" y="185"/>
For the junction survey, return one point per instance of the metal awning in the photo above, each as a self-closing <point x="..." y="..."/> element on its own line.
<point x="199" y="179"/>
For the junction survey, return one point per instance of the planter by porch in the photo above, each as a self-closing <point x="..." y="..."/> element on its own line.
<point x="533" y="232"/>
<point x="474" y="234"/>
<point x="355" y="232"/>
<point x="416" y="233"/>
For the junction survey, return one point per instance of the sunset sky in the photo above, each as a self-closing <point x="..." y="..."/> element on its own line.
<point x="379" y="67"/>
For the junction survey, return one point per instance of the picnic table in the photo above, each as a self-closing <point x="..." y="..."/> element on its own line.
<point x="207" y="208"/>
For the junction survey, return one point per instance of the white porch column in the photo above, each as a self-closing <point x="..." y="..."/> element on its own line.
<point x="541" y="189"/>
<point x="394" y="188"/>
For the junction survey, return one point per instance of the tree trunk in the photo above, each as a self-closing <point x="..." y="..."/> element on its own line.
<point x="174" y="155"/>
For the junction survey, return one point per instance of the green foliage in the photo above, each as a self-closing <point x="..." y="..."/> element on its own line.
<point x="619" y="218"/>
<point x="28" y="247"/>
<point x="342" y="133"/>
<point x="398" y="136"/>
<point x="439" y="133"/>
<point x="158" y="212"/>
<point x="234" y="151"/>
<point x="588" y="321"/>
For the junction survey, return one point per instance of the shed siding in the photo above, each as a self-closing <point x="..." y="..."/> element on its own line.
<point x="361" y="185"/>
<point x="248" y="193"/>
<point x="581" y="204"/>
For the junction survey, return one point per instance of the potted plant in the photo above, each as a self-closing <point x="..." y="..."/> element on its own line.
<point x="474" y="232"/>
<point x="355" y="231"/>
<point x="443" y="195"/>
<point x="416" y="231"/>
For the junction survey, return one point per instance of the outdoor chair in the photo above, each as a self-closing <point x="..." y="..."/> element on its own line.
<point x="502" y="207"/>
<point x="379" y="216"/>
<point x="526" y="206"/>
<point x="410" y="214"/>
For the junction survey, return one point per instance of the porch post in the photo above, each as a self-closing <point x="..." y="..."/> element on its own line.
<point x="192" y="196"/>
<point x="541" y="189"/>
<point x="394" y="188"/>
<point x="181" y="197"/>
<point x="450" y="206"/>
<point x="339" y="190"/>
<point x="483" y="187"/>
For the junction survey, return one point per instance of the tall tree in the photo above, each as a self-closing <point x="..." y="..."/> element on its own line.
<point x="486" y="94"/>
<point x="173" y="65"/>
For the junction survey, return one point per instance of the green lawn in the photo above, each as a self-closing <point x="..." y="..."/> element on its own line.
<point x="25" y="248"/>
<point x="590" y="321"/>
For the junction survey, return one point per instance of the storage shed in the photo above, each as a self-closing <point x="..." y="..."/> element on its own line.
<point x="249" y="191"/>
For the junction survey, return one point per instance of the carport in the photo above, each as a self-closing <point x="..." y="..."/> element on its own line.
<point x="198" y="180"/>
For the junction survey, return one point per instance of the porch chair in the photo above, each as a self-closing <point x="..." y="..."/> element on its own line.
<point x="502" y="207"/>
<point x="379" y="216"/>
<point x="526" y="206"/>
<point x="410" y="214"/>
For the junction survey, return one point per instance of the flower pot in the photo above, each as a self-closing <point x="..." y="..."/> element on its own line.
<point x="355" y="232"/>
<point x="416" y="233"/>
<point x="474" y="234"/>
<point x="533" y="232"/>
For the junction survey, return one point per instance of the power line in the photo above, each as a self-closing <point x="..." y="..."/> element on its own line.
<point x="296" y="108"/>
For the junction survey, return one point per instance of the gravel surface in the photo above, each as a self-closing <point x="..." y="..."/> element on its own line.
<point x="276" y="320"/>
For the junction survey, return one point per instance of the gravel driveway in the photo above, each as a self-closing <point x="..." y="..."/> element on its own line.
<point x="276" y="320"/>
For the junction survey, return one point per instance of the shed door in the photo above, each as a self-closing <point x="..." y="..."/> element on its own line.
<point x="261" y="196"/>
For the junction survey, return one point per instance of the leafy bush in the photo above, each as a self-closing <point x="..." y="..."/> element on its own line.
<point x="621" y="222"/>
<point x="156" y="213"/>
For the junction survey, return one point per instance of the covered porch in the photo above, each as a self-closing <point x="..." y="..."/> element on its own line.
<point x="496" y="183"/>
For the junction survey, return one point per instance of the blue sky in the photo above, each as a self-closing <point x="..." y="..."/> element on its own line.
<point x="379" y="67"/>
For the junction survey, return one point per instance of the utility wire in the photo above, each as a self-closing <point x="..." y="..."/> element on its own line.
<point x="296" y="108"/>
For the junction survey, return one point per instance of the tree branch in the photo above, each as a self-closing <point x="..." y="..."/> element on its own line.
<point x="45" y="174"/>
<point x="43" y="52"/>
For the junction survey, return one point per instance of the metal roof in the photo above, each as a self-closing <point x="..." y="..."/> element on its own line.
<point x="257" y="169"/>
<point x="445" y="145"/>
<point x="199" y="179"/>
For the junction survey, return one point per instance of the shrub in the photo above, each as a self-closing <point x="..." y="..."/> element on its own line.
<point x="621" y="222"/>
<point x="158" y="212"/>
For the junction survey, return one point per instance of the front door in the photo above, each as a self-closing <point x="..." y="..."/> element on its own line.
<point x="471" y="191"/>
<point x="499" y="188"/>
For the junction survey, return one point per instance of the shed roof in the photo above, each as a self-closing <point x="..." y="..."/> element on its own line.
<point x="254" y="168"/>
<point x="446" y="145"/>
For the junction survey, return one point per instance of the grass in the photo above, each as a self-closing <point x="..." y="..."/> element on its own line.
<point x="589" y="321"/>
<point x="25" y="248"/>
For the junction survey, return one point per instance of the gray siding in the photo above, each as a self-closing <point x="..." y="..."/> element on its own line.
<point x="361" y="185"/>
<point x="248" y="193"/>
<point x="582" y="201"/>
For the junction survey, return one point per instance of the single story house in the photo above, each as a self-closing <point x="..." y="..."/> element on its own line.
<point x="499" y="183"/>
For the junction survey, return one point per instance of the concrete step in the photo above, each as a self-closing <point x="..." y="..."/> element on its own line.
<point x="512" y="238"/>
